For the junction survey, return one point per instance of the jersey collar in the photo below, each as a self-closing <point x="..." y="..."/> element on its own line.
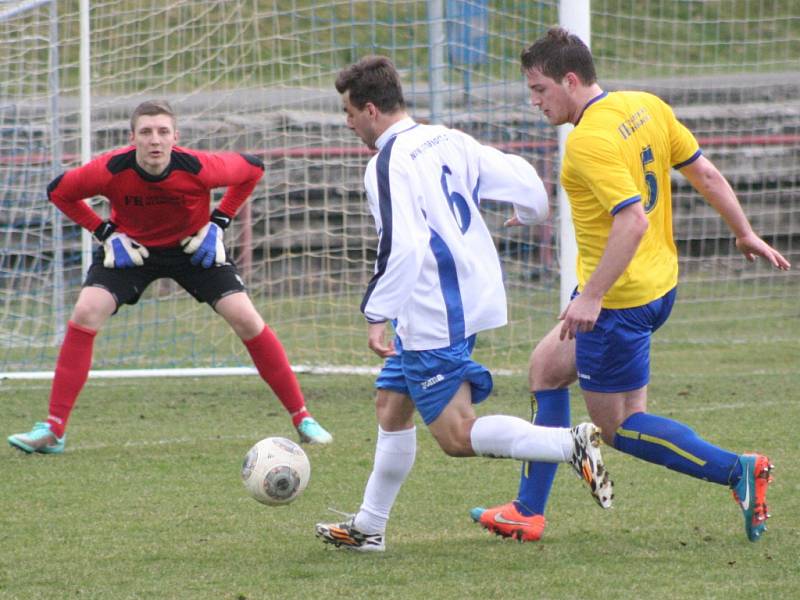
<point x="597" y="98"/>
<point x="154" y="178"/>
<point x="396" y="128"/>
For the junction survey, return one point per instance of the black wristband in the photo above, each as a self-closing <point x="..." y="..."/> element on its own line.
<point x="104" y="231"/>
<point x="220" y="219"/>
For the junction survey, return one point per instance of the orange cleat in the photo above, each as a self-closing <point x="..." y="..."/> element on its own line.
<point x="506" y="521"/>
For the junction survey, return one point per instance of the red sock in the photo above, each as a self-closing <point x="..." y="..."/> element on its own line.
<point x="72" y="370"/>
<point x="272" y="364"/>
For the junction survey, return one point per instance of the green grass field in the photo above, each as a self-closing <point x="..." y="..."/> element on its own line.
<point x="147" y="501"/>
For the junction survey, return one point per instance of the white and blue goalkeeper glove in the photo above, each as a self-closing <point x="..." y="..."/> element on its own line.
<point x="206" y="246"/>
<point x="121" y="252"/>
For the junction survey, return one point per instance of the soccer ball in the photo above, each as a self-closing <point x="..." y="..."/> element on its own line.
<point x="275" y="471"/>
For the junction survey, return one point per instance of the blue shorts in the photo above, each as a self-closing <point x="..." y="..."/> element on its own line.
<point x="615" y="355"/>
<point x="432" y="377"/>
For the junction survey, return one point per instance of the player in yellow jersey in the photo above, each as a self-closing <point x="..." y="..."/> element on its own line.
<point x="616" y="173"/>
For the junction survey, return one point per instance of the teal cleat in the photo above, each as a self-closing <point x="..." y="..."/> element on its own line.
<point x="312" y="432"/>
<point x="750" y="493"/>
<point x="39" y="439"/>
<point x="476" y="513"/>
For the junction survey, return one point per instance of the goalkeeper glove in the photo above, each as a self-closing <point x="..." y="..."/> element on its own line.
<point x="206" y="245"/>
<point x="121" y="252"/>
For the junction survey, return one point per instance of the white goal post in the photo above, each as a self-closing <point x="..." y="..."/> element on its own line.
<point x="257" y="76"/>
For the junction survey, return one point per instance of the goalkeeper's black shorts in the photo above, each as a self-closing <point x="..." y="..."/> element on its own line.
<point x="127" y="285"/>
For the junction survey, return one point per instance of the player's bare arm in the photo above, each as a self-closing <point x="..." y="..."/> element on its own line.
<point x="712" y="185"/>
<point x="627" y="230"/>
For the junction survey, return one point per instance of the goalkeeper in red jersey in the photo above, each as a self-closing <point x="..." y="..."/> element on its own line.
<point x="161" y="225"/>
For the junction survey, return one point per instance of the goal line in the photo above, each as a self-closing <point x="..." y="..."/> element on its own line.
<point x="214" y="372"/>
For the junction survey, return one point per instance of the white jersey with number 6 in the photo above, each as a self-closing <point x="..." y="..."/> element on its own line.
<point x="437" y="271"/>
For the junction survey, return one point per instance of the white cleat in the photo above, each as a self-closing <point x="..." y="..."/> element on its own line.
<point x="344" y="535"/>
<point x="588" y="462"/>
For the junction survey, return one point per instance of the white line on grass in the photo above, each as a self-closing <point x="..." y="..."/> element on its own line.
<point x="8" y="385"/>
<point x="257" y="436"/>
<point x="722" y="406"/>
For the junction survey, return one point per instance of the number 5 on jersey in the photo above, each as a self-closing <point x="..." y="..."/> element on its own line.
<point x="650" y="180"/>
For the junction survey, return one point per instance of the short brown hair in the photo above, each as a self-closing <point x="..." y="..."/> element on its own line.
<point x="152" y="108"/>
<point x="559" y="52"/>
<point x="372" y="79"/>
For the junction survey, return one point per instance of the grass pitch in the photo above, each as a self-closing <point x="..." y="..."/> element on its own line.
<point x="147" y="500"/>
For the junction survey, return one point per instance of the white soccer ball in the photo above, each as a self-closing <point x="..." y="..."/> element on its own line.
<point x="275" y="471"/>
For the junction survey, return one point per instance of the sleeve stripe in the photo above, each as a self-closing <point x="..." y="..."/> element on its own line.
<point x="625" y="203"/>
<point x="688" y="161"/>
<point x="385" y="204"/>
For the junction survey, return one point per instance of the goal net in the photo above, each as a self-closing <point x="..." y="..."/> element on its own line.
<point x="257" y="76"/>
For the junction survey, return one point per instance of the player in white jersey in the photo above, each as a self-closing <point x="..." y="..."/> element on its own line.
<point x="438" y="280"/>
<point x="438" y="272"/>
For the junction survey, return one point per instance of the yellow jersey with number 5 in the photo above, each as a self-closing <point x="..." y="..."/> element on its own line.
<point x="621" y="151"/>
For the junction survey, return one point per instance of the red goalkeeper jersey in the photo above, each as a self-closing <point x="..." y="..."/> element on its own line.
<point x="156" y="211"/>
